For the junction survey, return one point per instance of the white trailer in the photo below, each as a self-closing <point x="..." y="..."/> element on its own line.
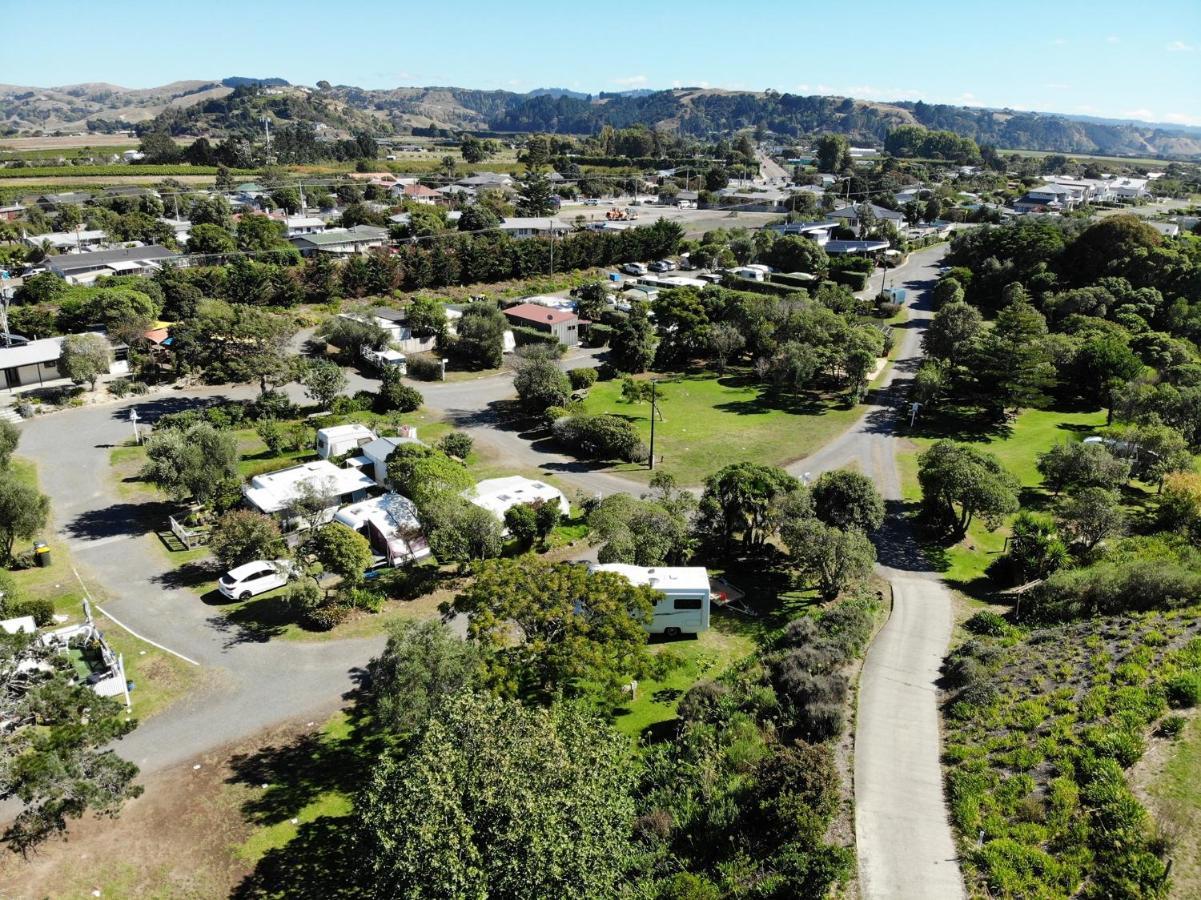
<point x="684" y="608"/>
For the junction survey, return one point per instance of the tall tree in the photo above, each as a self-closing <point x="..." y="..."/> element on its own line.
<point x="960" y="482"/>
<point x="23" y="512"/>
<point x="544" y="629"/>
<point x="493" y="799"/>
<point x="197" y="463"/>
<point x="1014" y="367"/>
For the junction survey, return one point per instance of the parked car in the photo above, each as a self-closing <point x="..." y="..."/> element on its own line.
<point x="661" y="265"/>
<point x="386" y="358"/>
<point x="255" y="578"/>
<point x="634" y="268"/>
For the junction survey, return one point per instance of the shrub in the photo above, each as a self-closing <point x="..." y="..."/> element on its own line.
<point x="582" y="379"/>
<point x="362" y="401"/>
<point x="1183" y="691"/>
<point x="424" y="368"/>
<point x="395" y="396"/>
<point x="599" y="335"/>
<point x="457" y="444"/>
<point x="703" y="702"/>
<point x="365" y="598"/>
<point x="987" y="622"/>
<point x="325" y="618"/>
<point x="41" y="608"/>
<point x="887" y="310"/>
<point x="242" y="536"/>
<point x="272" y="405"/>
<point x="1172" y="726"/>
<point x="600" y="437"/>
<point x="138" y="388"/>
<point x="303" y="597"/>
<point x="119" y="387"/>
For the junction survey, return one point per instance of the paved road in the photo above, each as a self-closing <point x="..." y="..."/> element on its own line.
<point x="903" y="834"/>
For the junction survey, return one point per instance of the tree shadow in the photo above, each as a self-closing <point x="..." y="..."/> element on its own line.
<point x="322" y="862"/>
<point x="255" y="622"/>
<point x="150" y="411"/>
<point x="120" y="520"/>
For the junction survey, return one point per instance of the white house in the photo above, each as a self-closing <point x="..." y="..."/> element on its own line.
<point x="391" y="525"/>
<point x="274" y="493"/>
<point x="498" y="495"/>
<point x="84" y="268"/>
<point x="684" y="608"/>
<point x="342" y="241"/>
<point x="339" y="439"/>
<point x="69" y="241"/>
<point x="298" y="225"/>
<point x="35" y="364"/>
<point x="534" y="226"/>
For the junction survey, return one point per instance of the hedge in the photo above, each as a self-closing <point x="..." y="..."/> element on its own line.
<point x="524" y="336"/>
<point x="738" y="283"/>
<point x="113" y="170"/>
<point x="790" y="280"/>
<point x="856" y="281"/>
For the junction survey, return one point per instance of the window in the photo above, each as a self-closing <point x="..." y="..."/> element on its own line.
<point x="688" y="603"/>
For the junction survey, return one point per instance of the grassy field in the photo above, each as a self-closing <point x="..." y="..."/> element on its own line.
<point x="1175" y="800"/>
<point x="1035" y="431"/>
<point x="1125" y="160"/>
<point x="709" y="422"/>
<point x="705" y="656"/>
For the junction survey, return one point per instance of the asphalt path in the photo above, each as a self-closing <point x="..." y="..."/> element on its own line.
<point x="903" y="833"/>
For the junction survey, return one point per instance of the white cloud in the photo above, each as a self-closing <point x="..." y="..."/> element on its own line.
<point x="1181" y="118"/>
<point x="1113" y="39"/>
<point x="1059" y="42"/>
<point x="1144" y="114"/>
<point x="968" y="99"/>
<point x="631" y="81"/>
<point x="1180" y="47"/>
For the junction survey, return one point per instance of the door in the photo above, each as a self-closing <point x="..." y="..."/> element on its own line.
<point x="12" y="378"/>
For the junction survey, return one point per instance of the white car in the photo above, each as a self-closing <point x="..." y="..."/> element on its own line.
<point x="634" y="268"/>
<point x="255" y="578"/>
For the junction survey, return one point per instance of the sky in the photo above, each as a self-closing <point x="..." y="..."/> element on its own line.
<point x="1097" y="58"/>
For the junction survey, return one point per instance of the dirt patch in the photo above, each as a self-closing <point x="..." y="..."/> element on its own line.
<point x="177" y="840"/>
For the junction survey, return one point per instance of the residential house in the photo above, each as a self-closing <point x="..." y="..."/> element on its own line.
<point x="299" y="225"/>
<point x="850" y="215"/>
<point x="560" y="323"/>
<point x="419" y="193"/>
<point x="534" y="226"/>
<point x="35" y="364"/>
<point x="498" y="495"/>
<point x="84" y="268"/>
<point x="754" y="199"/>
<point x="815" y="231"/>
<point x="377" y="452"/>
<point x="11" y="212"/>
<point x="181" y="228"/>
<point x="487" y="181"/>
<point x="390" y="525"/>
<point x="69" y="241"/>
<point x="837" y="248"/>
<point x="342" y="241"/>
<point x="52" y="202"/>
<point x="277" y="493"/>
<point x="1053" y="198"/>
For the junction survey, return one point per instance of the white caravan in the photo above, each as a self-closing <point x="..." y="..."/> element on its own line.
<point x="684" y="608"/>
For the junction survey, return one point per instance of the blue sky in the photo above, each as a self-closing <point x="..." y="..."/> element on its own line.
<point x="1097" y="58"/>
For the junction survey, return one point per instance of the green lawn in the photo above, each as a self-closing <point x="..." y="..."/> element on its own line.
<point x="709" y="422"/>
<point x="1033" y="432"/>
<point x="705" y="656"/>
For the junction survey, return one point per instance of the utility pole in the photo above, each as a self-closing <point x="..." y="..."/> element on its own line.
<point x="654" y="414"/>
<point x="5" y="296"/>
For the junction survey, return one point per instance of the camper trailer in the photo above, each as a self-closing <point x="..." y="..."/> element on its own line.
<point x="339" y="439"/>
<point x="391" y="526"/>
<point x="684" y="608"/>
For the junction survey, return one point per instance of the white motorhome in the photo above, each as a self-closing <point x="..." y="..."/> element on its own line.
<point x="386" y="358"/>
<point x="339" y="439"/>
<point x="684" y="608"/>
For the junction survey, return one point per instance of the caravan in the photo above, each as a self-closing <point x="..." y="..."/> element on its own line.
<point x="684" y="607"/>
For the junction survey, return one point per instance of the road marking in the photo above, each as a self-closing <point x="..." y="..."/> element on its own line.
<point x="121" y="624"/>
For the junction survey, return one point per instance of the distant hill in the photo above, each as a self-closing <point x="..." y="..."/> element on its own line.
<point x="207" y="107"/>
<point x="239" y="81"/>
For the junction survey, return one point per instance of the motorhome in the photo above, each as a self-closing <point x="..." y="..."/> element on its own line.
<point x="684" y="608"/>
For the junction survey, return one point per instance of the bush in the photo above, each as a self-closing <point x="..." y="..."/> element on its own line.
<point x="457" y="444"/>
<point x="582" y="379"/>
<point x="1183" y="691"/>
<point x="600" y="437"/>
<point x="41" y="608"/>
<point x="272" y="405"/>
<point x="119" y="387"/>
<point x="424" y="368"/>
<point x="599" y="335"/>
<point x="395" y="396"/>
<point x="363" y="401"/>
<point x="325" y="618"/>
<point x="987" y="622"/>
<point x="887" y="310"/>
<point x="364" y="598"/>
<point x="1171" y="727"/>
<point x="524" y="336"/>
<point x="138" y="388"/>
